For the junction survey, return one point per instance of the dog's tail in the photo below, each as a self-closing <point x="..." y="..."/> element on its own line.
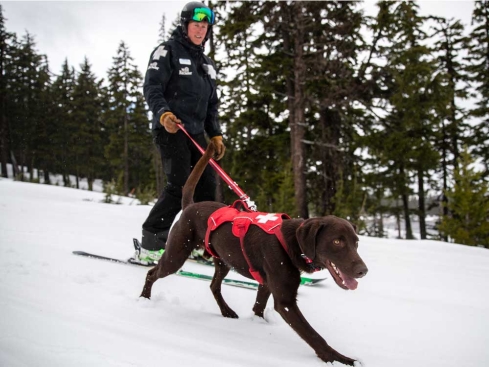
<point x="189" y="187"/>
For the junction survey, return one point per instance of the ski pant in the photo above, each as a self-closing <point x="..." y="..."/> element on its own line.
<point x="179" y="155"/>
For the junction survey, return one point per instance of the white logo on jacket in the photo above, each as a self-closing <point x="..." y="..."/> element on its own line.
<point x="209" y="69"/>
<point x="160" y="52"/>
<point x="185" y="71"/>
<point x="153" y="65"/>
<point x="184" y="61"/>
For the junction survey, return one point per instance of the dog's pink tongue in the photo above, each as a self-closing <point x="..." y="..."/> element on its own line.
<point x="350" y="282"/>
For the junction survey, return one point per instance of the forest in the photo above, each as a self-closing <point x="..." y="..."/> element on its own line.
<point x="325" y="110"/>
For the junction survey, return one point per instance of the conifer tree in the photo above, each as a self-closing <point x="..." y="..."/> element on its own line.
<point x="126" y="119"/>
<point x="450" y="85"/>
<point x="334" y="89"/>
<point x="257" y="152"/>
<point x="4" y="125"/>
<point x="162" y="37"/>
<point x="479" y="72"/>
<point x="42" y="158"/>
<point x="468" y="204"/>
<point x="406" y="138"/>
<point x="29" y="80"/>
<point x="63" y="124"/>
<point x="88" y="133"/>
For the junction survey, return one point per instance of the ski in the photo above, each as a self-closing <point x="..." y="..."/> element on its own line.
<point x="200" y="260"/>
<point x="304" y="280"/>
<point x="183" y="273"/>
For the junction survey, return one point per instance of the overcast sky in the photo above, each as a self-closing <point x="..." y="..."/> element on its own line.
<point x="75" y="29"/>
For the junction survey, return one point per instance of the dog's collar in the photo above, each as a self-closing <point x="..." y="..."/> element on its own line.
<point x="310" y="263"/>
<point x="308" y="260"/>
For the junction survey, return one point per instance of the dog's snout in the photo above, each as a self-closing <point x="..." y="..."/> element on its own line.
<point x="361" y="270"/>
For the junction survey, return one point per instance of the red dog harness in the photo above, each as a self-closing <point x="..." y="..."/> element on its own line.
<point x="270" y="223"/>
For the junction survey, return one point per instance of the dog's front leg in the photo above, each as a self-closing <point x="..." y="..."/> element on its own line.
<point x="293" y="316"/>
<point x="261" y="300"/>
<point x="220" y="272"/>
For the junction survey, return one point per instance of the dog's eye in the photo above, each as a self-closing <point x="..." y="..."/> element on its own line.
<point x="337" y="242"/>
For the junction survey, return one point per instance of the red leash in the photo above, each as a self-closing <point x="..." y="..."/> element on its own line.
<point x="245" y="199"/>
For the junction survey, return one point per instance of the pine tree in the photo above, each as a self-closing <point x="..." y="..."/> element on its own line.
<point x="479" y="72"/>
<point x="468" y="204"/>
<point x="126" y="121"/>
<point x="88" y="135"/>
<point x="405" y="139"/>
<point x="162" y="32"/>
<point x="63" y="124"/>
<point x="449" y="87"/>
<point x="249" y="112"/>
<point x="335" y="88"/>
<point x="4" y="125"/>
<point x="42" y="158"/>
<point x="28" y="82"/>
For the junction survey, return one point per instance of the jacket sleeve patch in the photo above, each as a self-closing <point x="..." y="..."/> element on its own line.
<point x="209" y="69"/>
<point x="160" y="52"/>
<point x="153" y="65"/>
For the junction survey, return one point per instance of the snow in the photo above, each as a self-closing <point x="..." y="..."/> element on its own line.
<point x="423" y="303"/>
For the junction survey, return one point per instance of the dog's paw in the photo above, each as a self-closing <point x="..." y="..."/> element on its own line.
<point x="258" y="319"/>
<point x="230" y="314"/>
<point x="334" y="357"/>
<point x="144" y="302"/>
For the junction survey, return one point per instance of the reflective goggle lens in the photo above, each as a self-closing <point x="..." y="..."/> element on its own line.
<point x="201" y="14"/>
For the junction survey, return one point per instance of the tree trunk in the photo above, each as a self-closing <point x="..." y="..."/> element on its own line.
<point x="407" y="219"/>
<point x="297" y="128"/>
<point x="126" y="155"/>
<point x="421" y="205"/>
<point x="405" y="206"/>
<point x="15" y="167"/>
<point x="47" y="179"/>
<point x="3" y="142"/>
<point x="3" y="119"/>
<point x="444" y="163"/>
<point x="330" y="123"/>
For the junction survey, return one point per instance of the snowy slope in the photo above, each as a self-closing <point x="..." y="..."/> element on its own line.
<point x="423" y="303"/>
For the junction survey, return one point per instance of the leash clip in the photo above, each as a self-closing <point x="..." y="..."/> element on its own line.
<point x="310" y="264"/>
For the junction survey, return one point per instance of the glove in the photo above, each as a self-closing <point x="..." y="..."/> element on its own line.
<point x="218" y="146"/>
<point x="169" y="121"/>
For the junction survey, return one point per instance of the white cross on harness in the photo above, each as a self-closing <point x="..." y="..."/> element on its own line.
<point x="160" y="51"/>
<point x="266" y="218"/>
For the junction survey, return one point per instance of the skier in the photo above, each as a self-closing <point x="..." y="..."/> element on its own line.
<point x="180" y="87"/>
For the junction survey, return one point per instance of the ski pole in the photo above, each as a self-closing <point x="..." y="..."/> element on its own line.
<point x="229" y="181"/>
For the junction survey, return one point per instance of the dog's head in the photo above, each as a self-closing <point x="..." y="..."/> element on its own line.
<point x="332" y="243"/>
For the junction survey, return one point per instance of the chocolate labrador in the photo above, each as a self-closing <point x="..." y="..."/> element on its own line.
<point x="326" y="242"/>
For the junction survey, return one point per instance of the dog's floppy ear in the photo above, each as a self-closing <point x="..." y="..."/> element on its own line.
<point x="306" y="236"/>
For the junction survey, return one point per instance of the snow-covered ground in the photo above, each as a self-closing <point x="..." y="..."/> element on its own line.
<point x="423" y="303"/>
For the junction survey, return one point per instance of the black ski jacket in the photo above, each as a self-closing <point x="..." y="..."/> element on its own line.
<point x="181" y="79"/>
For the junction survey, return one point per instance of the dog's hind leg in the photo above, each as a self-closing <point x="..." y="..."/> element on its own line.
<point x="261" y="300"/>
<point x="221" y="270"/>
<point x="172" y="260"/>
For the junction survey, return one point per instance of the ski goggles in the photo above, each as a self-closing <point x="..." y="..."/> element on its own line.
<point x="201" y="14"/>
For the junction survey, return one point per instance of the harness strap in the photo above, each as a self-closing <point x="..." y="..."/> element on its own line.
<point x="211" y="225"/>
<point x="242" y="227"/>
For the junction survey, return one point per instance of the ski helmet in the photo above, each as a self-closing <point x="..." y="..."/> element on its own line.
<point x="197" y="12"/>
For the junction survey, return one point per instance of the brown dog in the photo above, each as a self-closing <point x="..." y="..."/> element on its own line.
<point x="330" y="242"/>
